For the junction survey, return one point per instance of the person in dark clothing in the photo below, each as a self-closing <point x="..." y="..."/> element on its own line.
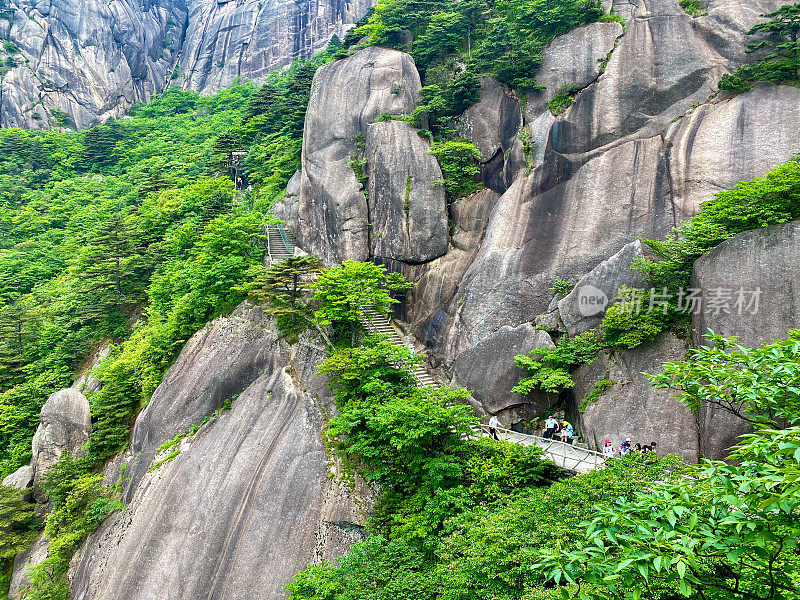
<point x="550" y="427"/>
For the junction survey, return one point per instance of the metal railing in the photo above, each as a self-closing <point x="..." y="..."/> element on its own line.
<point x="565" y="456"/>
<point x="289" y="244"/>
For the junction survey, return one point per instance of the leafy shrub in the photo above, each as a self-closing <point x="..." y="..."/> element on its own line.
<point x="562" y="287"/>
<point x="601" y="386"/>
<point x="549" y="369"/>
<point x="693" y="8"/>
<point x="562" y="99"/>
<point x="458" y="160"/>
<point x="629" y="326"/>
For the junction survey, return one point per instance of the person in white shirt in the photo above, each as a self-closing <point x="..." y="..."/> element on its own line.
<point x="494" y="422"/>
<point x="550" y="427"/>
<point x="608" y="450"/>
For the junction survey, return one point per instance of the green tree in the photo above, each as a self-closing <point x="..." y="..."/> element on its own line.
<point x="782" y="62"/>
<point x="18" y="523"/>
<point x="345" y="292"/>
<point x="549" y="369"/>
<point x="759" y="385"/>
<point x="285" y="289"/>
<point x="459" y="162"/>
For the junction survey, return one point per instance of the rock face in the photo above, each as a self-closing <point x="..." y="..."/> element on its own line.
<point x="631" y="407"/>
<point x="489" y="370"/>
<point x="406" y="207"/>
<point x="89" y="59"/>
<point x="334" y="219"/>
<point x="645" y="142"/>
<point x="24" y="561"/>
<point x="245" y="505"/>
<point x="93" y="59"/>
<point x="218" y="363"/>
<point x="64" y="425"/>
<point x="584" y="307"/>
<point x="248" y="39"/>
<point x="750" y="290"/>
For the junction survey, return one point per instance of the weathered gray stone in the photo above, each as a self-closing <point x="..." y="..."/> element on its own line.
<point x="24" y="561"/>
<point x="89" y="58"/>
<point x="406" y="198"/>
<point x="254" y="478"/>
<point x="248" y="39"/>
<point x="573" y="59"/>
<point x="64" y="425"/>
<point x="767" y="260"/>
<point x="217" y="363"/>
<point x="731" y="140"/>
<point x="492" y="124"/>
<point x="578" y="312"/>
<point x="20" y="479"/>
<point x="347" y="96"/>
<point x="632" y="407"/>
<point x="489" y="370"/>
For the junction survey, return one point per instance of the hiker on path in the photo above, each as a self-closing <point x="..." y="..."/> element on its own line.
<point x="550" y="427"/>
<point x="608" y="450"/>
<point x="567" y="431"/>
<point x="494" y="422"/>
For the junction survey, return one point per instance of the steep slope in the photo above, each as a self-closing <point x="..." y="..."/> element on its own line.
<point x="247" y="502"/>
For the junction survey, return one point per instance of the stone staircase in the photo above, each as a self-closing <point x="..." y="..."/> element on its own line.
<point x="379" y="324"/>
<point x="278" y="244"/>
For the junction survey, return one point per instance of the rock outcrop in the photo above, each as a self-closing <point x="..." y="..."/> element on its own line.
<point x="750" y="290"/>
<point x="248" y="501"/>
<point x="228" y="39"/>
<point x="340" y="144"/>
<point x="64" y="425"/>
<point x="24" y="561"/>
<point x="79" y="62"/>
<point x="217" y="364"/>
<point x="20" y="479"/>
<point x="631" y="407"/>
<point x="645" y="142"/>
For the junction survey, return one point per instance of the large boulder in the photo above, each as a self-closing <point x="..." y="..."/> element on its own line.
<point x="406" y="202"/>
<point x="573" y="60"/>
<point x="64" y="425"/>
<point x="632" y="407"/>
<point x="215" y="365"/>
<point x="750" y="290"/>
<point x="584" y="307"/>
<point x="20" y="479"/>
<point x="494" y="356"/>
<point x="246" y="504"/>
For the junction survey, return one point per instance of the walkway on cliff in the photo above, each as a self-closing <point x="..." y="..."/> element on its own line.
<point x="281" y="245"/>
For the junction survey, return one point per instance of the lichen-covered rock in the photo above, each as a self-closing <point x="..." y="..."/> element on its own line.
<point x="244" y="507"/>
<point x="584" y="307"/>
<point x="20" y="479"/>
<point x="248" y="39"/>
<point x="215" y="365"/>
<point x="347" y="96"/>
<point x="632" y="407"/>
<point x="89" y="59"/>
<point x="64" y="425"/>
<point x="406" y="203"/>
<point x="489" y="370"/>
<point x="763" y="262"/>
<point x="86" y="380"/>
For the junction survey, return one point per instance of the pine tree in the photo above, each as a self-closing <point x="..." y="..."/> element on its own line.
<point x="782" y="63"/>
<point x="284" y="290"/>
<point x="12" y="344"/>
<point x="18" y="524"/>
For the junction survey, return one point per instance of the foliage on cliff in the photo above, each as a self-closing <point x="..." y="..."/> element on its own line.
<point x="777" y="47"/>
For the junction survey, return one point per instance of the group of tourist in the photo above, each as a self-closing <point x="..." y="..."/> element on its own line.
<point x="609" y="451"/>
<point x="564" y="430"/>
